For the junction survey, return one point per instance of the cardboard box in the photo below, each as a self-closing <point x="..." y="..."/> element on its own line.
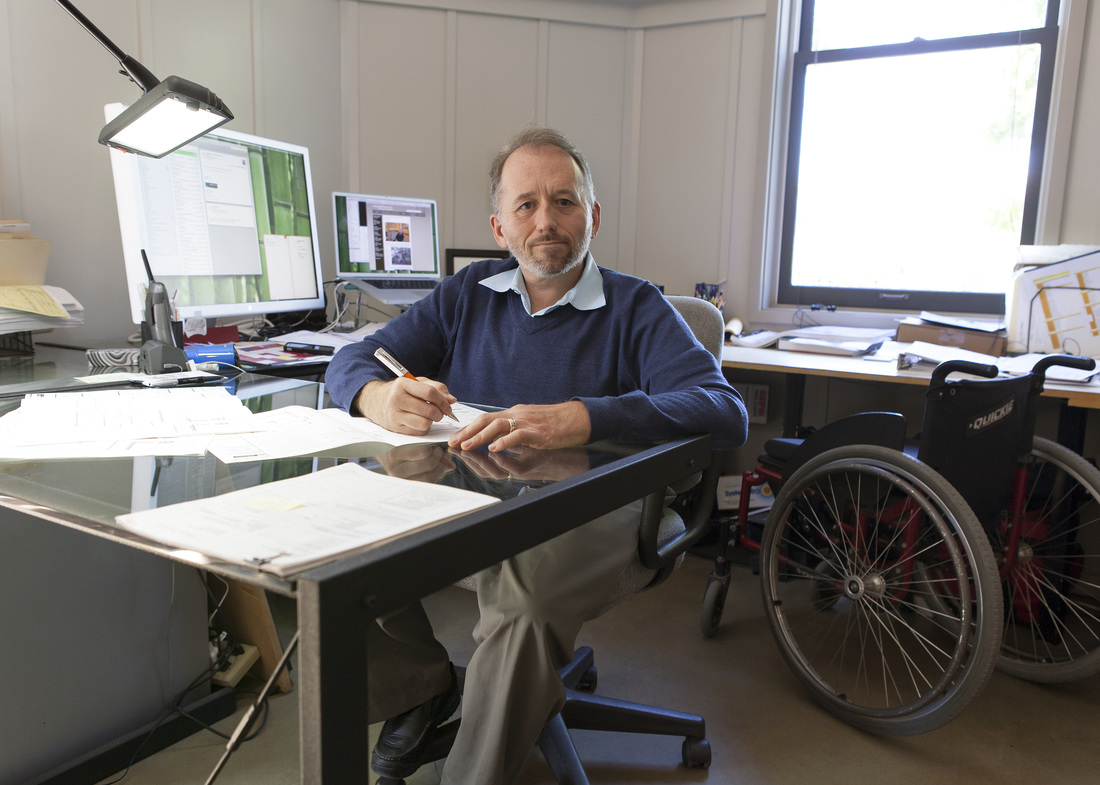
<point x="942" y="335"/>
<point x="23" y="261"/>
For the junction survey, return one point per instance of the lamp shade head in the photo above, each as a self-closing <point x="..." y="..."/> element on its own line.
<point x="166" y="118"/>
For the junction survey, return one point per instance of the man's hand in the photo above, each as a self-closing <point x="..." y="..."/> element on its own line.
<point x="544" y="427"/>
<point x="402" y="405"/>
<point x="526" y="465"/>
<point x="424" y="462"/>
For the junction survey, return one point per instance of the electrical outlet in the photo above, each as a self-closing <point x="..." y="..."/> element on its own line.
<point x="238" y="666"/>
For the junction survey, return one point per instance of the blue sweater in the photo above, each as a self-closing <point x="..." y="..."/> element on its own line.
<point x="634" y="362"/>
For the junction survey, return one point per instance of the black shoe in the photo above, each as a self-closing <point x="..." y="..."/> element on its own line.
<point x="404" y="738"/>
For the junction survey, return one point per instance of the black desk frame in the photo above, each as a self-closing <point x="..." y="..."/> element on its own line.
<point x="337" y="602"/>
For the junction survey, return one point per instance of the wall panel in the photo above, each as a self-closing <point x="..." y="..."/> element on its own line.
<point x="585" y="100"/>
<point x="1081" y="216"/>
<point x="66" y="188"/>
<point x="497" y="91"/>
<point x="402" y="91"/>
<point x="299" y="96"/>
<point x="681" y="178"/>
<point x="747" y="209"/>
<point x="206" y="41"/>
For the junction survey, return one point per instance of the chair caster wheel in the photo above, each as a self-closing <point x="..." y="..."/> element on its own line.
<point x="696" y="753"/>
<point x="587" y="682"/>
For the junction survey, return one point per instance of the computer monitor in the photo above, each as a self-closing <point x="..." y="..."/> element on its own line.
<point x="383" y="238"/>
<point x="228" y="224"/>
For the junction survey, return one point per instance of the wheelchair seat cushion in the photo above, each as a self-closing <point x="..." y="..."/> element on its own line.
<point x="885" y="429"/>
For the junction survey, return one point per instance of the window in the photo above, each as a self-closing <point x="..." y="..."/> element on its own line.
<point x="917" y="130"/>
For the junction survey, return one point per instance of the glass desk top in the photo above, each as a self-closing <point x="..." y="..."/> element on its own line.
<point x="87" y="494"/>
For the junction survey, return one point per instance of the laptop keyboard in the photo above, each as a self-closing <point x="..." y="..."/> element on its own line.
<point x="404" y="284"/>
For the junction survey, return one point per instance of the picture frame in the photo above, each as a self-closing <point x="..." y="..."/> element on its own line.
<point x="457" y="258"/>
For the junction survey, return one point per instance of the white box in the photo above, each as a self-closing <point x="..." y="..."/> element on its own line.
<point x="729" y="494"/>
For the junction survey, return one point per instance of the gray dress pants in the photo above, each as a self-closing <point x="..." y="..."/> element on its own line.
<point x="532" y="607"/>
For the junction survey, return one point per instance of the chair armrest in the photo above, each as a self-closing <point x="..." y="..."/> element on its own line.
<point x="651" y="552"/>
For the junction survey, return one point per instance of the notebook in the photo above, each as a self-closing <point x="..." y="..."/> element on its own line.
<point x="388" y="246"/>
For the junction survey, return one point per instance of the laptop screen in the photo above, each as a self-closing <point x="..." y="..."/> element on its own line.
<point x="386" y="237"/>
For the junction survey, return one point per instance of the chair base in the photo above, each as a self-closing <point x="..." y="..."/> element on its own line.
<point x="585" y="711"/>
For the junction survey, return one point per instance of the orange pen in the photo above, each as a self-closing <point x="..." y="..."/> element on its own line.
<point x="388" y="360"/>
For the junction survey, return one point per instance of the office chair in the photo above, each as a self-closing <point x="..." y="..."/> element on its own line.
<point x="663" y="539"/>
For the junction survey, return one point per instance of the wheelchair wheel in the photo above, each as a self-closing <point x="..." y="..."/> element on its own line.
<point x="881" y="590"/>
<point x="1052" y="591"/>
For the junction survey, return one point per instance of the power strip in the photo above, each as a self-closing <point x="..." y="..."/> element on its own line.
<point x="238" y="666"/>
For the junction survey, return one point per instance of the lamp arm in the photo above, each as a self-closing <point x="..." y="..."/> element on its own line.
<point x="141" y="75"/>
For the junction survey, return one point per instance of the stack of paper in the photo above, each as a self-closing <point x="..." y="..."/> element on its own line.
<point x="820" y="333"/>
<point x="291" y="525"/>
<point x="189" y="421"/>
<point x="111" y="423"/>
<point x="930" y="355"/>
<point x="25" y="308"/>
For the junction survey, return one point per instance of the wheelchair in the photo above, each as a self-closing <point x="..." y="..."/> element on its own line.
<point x="896" y="578"/>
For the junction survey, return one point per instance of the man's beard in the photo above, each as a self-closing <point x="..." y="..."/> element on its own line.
<point x="557" y="263"/>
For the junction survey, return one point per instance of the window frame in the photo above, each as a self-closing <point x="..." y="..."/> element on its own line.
<point x="787" y="295"/>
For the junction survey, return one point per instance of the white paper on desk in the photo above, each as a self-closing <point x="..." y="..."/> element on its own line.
<point x="1022" y="364"/>
<point x="117" y="448"/>
<point x="839" y="348"/>
<point x="69" y="313"/>
<point x="819" y="332"/>
<point x="290" y="525"/>
<point x="110" y="415"/>
<point x="335" y="340"/>
<point x="299" y="430"/>
<point x="982" y="325"/>
<point x="937" y="354"/>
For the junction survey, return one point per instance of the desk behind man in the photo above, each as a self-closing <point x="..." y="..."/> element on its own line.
<point x="572" y="353"/>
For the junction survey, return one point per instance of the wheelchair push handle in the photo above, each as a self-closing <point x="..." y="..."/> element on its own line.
<point x="939" y="375"/>
<point x="1069" y="360"/>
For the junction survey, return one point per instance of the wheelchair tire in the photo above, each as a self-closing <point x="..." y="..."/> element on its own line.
<point x="1052" y="593"/>
<point x="881" y="590"/>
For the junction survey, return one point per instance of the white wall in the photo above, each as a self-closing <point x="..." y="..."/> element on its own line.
<point x="669" y="100"/>
<point x="662" y="101"/>
<point x="275" y="63"/>
<point x="1080" y="219"/>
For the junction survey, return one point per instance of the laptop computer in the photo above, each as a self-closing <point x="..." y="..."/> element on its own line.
<point x="388" y="246"/>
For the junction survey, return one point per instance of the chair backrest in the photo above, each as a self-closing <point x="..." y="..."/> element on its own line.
<point x="975" y="432"/>
<point x="704" y="319"/>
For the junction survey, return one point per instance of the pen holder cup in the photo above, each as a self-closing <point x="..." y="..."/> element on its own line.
<point x="177" y="333"/>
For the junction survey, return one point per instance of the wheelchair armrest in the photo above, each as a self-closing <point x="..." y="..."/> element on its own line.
<point x="651" y="552"/>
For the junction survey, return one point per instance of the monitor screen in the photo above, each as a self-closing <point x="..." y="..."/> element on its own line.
<point x="228" y="224"/>
<point x="385" y="237"/>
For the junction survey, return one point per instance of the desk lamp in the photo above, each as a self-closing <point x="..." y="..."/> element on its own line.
<point x="167" y="116"/>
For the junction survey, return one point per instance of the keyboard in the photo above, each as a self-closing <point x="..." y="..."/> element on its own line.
<point x="395" y="284"/>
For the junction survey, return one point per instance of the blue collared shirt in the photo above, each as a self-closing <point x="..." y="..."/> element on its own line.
<point x="587" y="295"/>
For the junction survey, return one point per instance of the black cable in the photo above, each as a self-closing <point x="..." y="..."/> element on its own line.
<point x="173" y="707"/>
<point x="263" y="703"/>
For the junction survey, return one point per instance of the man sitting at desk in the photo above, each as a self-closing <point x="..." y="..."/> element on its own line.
<point x="575" y="353"/>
